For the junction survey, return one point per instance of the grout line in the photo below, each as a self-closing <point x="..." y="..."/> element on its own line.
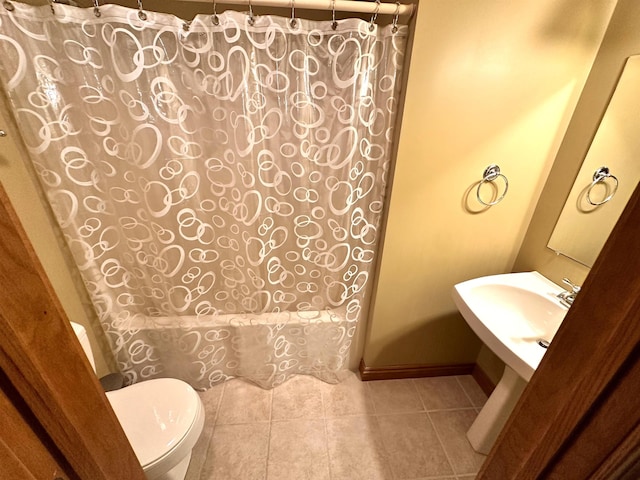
<point x="206" y="452"/>
<point x="368" y="395"/>
<point x="387" y="455"/>
<point x="465" y="391"/>
<point x="415" y="387"/>
<point x="360" y="414"/>
<point x="266" y="466"/>
<point x="454" y="409"/>
<point x="446" y="454"/>
<point x="219" y="405"/>
<point x="322" y="391"/>
<point x="248" y="422"/>
<point x="326" y="446"/>
<point x="213" y="430"/>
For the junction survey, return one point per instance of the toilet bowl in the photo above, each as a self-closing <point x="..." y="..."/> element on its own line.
<point x="162" y="419"/>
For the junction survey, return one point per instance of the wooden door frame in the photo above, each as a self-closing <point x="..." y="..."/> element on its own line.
<point x="45" y="372"/>
<point x="579" y="416"/>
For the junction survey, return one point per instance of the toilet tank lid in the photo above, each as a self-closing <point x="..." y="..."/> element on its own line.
<point x="78" y="329"/>
<point x="83" y="338"/>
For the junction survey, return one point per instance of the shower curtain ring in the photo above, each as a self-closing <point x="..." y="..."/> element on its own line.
<point x="374" y="16"/>
<point x="293" y="20"/>
<point x="214" y="18"/>
<point x="251" y="20"/>
<point x="96" y="9"/>
<point x="141" y="15"/>
<point x="394" y="29"/>
<point x="334" y="24"/>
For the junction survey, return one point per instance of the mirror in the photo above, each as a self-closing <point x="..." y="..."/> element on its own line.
<point x="598" y="196"/>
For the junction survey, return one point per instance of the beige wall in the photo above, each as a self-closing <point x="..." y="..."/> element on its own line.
<point x="38" y="224"/>
<point x="621" y="41"/>
<point x="489" y="82"/>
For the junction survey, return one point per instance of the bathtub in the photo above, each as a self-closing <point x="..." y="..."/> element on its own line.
<point x="264" y="348"/>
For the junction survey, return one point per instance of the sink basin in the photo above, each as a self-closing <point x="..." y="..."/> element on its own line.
<point x="510" y="313"/>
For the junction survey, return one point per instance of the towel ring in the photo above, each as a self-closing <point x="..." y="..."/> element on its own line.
<point x="491" y="173"/>
<point x="600" y="176"/>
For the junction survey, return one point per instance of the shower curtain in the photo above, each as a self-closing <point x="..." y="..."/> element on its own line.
<point x="218" y="182"/>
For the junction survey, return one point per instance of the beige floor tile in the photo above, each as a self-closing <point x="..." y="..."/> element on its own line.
<point x="350" y="444"/>
<point x="438" y="393"/>
<point x="299" y="397"/>
<point x="244" y="402"/>
<point x="451" y="426"/>
<point x="298" y="450"/>
<point x="211" y="401"/>
<point x="350" y="397"/>
<point x="356" y="451"/>
<point x="237" y="452"/>
<point x="200" y="451"/>
<point x="473" y="390"/>
<point x="412" y="446"/>
<point x="395" y="396"/>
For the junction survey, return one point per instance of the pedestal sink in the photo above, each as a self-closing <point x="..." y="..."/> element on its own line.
<point x="514" y="314"/>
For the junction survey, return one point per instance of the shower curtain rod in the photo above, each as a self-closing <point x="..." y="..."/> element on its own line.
<point x="328" y="5"/>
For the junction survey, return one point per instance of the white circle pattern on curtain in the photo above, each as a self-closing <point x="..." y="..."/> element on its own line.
<point x="220" y="187"/>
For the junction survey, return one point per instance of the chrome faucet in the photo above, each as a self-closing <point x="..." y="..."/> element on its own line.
<point x="567" y="297"/>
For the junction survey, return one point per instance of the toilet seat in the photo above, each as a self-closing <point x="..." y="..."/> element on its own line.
<point x="162" y="419"/>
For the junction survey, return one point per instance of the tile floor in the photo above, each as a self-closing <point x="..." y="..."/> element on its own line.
<point x="306" y="429"/>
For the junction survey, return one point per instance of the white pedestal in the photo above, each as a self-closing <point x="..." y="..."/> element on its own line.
<point x="489" y="422"/>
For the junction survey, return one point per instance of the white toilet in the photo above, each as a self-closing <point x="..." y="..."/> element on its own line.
<point x="162" y="419"/>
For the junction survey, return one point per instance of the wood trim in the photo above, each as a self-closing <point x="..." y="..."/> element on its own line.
<point x="610" y="418"/>
<point x="10" y="464"/>
<point x="43" y="361"/>
<point x="393" y="372"/>
<point x="582" y="402"/>
<point x="624" y="463"/>
<point x="483" y="380"/>
<point x="23" y="454"/>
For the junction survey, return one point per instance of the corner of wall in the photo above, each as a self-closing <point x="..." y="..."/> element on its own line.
<point x="37" y="220"/>
<point x="620" y="40"/>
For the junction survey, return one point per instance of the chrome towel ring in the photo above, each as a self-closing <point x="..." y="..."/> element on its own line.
<point x="600" y="176"/>
<point x="491" y="173"/>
